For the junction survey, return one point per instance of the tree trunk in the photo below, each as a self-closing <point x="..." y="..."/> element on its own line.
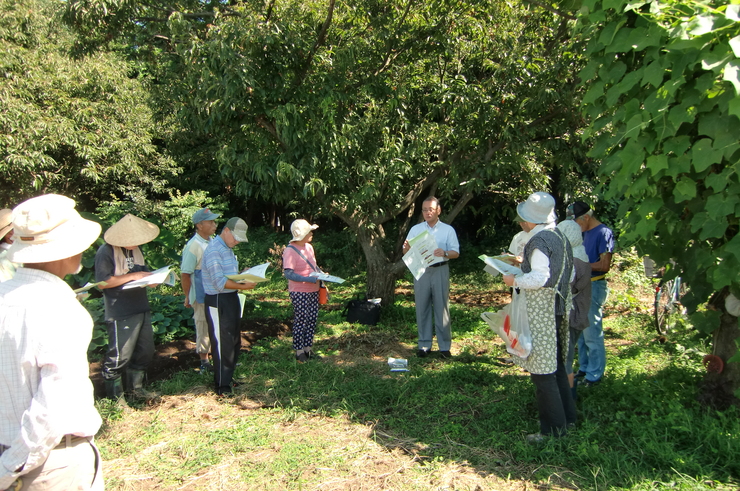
<point x="727" y="382"/>
<point x="381" y="272"/>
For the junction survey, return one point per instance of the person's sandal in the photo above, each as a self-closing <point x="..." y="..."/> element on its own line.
<point x="302" y="358"/>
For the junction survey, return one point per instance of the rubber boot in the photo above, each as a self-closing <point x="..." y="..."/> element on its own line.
<point x="135" y="384"/>
<point x="114" y="391"/>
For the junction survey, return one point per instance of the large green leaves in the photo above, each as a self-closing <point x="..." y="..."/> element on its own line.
<point x="678" y="155"/>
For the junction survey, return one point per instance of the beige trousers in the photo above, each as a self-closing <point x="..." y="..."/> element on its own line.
<point x="72" y="465"/>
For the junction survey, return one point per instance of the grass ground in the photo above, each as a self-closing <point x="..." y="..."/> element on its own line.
<point x="347" y="423"/>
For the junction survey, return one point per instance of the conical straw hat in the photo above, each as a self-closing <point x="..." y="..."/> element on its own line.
<point x="131" y="231"/>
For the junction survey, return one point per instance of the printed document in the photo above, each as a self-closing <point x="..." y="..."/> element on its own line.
<point x="162" y="275"/>
<point x="421" y="255"/>
<point x="327" y="277"/>
<point x="255" y="274"/>
<point x="502" y="264"/>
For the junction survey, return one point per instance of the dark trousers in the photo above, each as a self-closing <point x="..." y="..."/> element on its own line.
<point x="130" y="344"/>
<point x="223" y="314"/>
<point x="554" y="399"/>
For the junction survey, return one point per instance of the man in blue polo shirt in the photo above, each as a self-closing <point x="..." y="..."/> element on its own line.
<point x="223" y="310"/>
<point x="598" y="239"/>
<point x="432" y="290"/>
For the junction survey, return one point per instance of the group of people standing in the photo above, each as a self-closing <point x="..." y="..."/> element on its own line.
<point x="47" y="413"/>
<point x="563" y="274"/>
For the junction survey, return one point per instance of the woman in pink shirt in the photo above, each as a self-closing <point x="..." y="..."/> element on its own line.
<point x="299" y="261"/>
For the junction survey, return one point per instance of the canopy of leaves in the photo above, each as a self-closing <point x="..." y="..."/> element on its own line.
<point x="663" y="99"/>
<point x="77" y="127"/>
<point x="360" y="105"/>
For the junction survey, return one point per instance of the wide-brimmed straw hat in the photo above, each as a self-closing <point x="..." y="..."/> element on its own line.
<point x="131" y="231"/>
<point x="539" y="208"/>
<point x="300" y="229"/>
<point x="6" y="222"/>
<point x="48" y="228"/>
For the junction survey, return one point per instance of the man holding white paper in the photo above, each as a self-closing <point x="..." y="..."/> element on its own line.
<point x="432" y="289"/>
<point x="127" y="312"/>
<point x="223" y="309"/>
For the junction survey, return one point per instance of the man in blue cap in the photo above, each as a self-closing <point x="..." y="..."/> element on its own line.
<point x="192" y="280"/>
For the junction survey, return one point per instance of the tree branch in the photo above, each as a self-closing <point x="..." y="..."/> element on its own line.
<point x="319" y="42"/>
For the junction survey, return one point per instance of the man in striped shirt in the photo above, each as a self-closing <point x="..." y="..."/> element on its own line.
<point x="223" y="311"/>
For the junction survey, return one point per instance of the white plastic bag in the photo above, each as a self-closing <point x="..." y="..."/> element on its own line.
<point x="512" y="325"/>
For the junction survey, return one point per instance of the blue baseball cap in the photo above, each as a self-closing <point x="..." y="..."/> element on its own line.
<point x="204" y="214"/>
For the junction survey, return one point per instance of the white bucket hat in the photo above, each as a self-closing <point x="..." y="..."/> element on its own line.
<point x="300" y="229"/>
<point x="48" y="228"/>
<point x="131" y="231"/>
<point x="539" y="208"/>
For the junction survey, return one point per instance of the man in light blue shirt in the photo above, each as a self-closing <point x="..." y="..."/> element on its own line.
<point x="192" y="281"/>
<point x="432" y="289"/>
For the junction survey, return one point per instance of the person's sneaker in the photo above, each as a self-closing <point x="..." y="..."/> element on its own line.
<point x="313" y="355"/>
<point x="580" y="374"/>
<point x="205" y="367"/>
<point x="536" y="438"/>
<point x="302" y="358"/>
<point x="445" y="354"/>
<point x="422" y="353"/>
<point x="588" y="383"/>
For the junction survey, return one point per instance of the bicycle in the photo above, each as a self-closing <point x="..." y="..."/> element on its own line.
<point x="668" y="296"/>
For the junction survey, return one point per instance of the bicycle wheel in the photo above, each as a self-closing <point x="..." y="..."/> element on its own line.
<point x="663" y="305"/>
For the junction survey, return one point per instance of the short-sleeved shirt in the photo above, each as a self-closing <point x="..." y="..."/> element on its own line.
<point x="597" y="241"/>
<point x="119" y="303"/>
<point x="444" y="235"/>
<point x="293" y="260"/>
<point x="218" y="261"/>
<point x="192" y="256"/>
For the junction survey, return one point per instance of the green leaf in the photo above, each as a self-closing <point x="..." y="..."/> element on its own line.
<point x="596" y="91"/>
<point x="713" y="228"/>
<point x="721" y="205"/>
<point x="632" y="157"/>
<point x="653" y="74"/>
<point x="732" y="70"/>
<point x="656" y="163"/>
<point x="734" y="107"/>
<point x="735" y="45"/>
<point x="677" y="145"/>
<point x="703" y="155"/>
<point x="733" y="12"/>
<point x="701" y="24"/>
<point x="706" y="321"/>
<point x="634" y="126"/>
<point x="685" y="189"/>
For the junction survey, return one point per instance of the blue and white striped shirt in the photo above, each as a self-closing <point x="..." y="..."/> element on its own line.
<point x="218" y="261"/>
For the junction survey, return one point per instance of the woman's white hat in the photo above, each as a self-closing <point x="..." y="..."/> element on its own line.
<point x="131" y="231"/>
<point x="48" y="228"/>
<point x="300" y="229"/>
<point x="572" y="232"/>
<point x="539" y="208"/>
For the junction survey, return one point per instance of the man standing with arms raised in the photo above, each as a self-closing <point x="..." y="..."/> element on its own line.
<point x="47" y="413"/>
<point x="432" y="289"/>
<point x="223" y="311"/>
<point x="598" y="239"/>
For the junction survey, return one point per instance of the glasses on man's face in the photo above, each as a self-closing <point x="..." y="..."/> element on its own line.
<point x="428" y="210"/>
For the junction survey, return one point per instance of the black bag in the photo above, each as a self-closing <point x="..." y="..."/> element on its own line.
<point x="362" y="311"/>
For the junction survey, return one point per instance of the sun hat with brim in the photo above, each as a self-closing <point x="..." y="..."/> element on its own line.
<point x="131" y="231"/>
<point x="6" y="222"/>
<point x="300" y="229"/>
<point x="238" y="229"/>
<point x="538" y="208"/>
<point x="48" y="228"/>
